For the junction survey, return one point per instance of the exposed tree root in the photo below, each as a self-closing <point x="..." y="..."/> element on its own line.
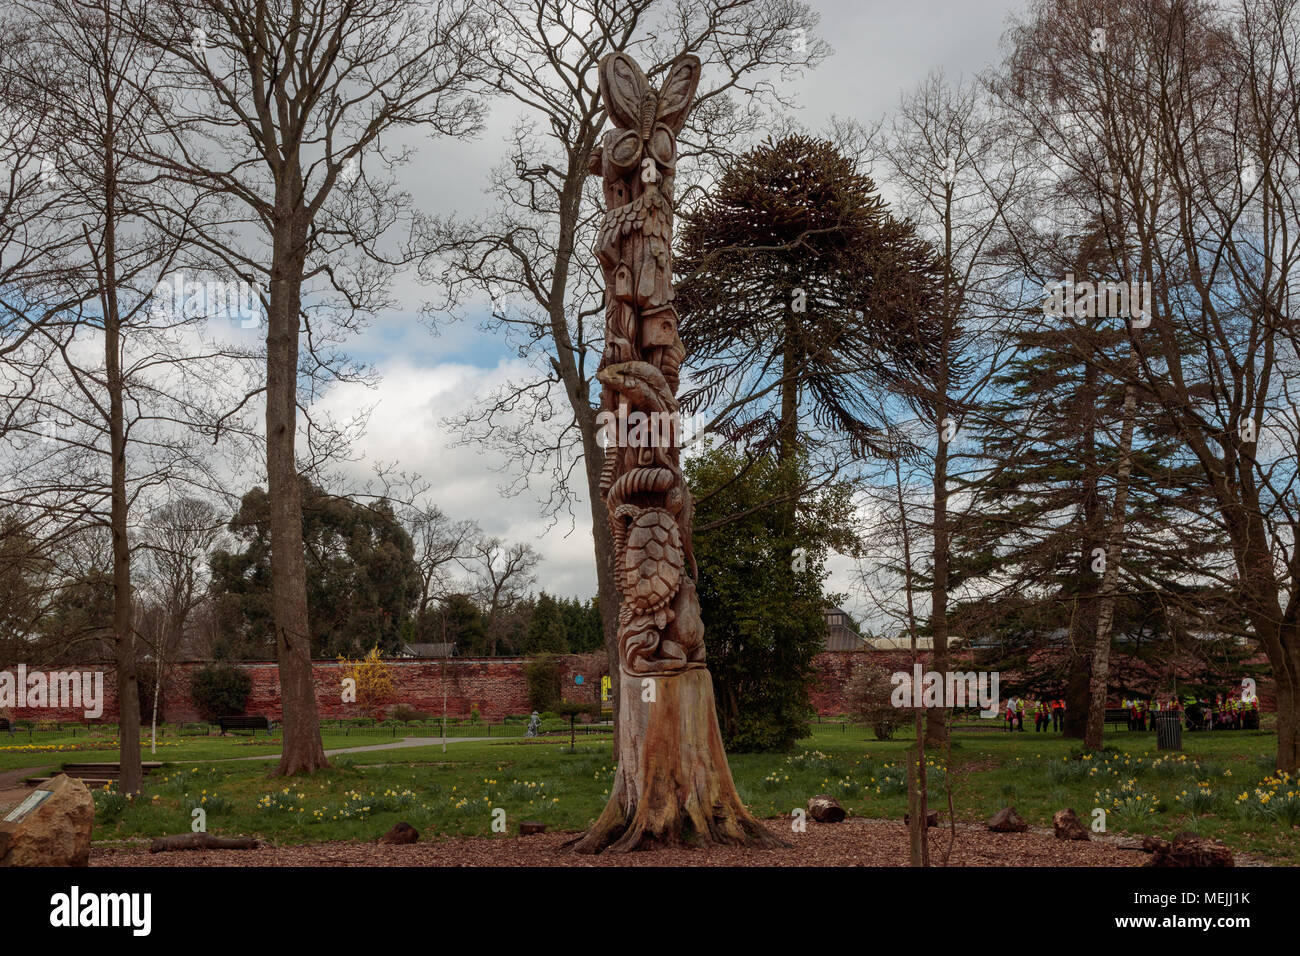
<point x="673" y="787"/>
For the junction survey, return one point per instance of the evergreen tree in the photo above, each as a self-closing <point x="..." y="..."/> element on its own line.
<point x="763" y="613"/>
<point x="547" y="633"/>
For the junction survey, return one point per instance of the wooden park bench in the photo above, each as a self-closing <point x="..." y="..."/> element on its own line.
<point x="96" y="775"/>
<point x="244" y="723"/>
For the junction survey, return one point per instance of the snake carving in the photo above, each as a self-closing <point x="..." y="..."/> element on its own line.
<point x="641" y="481"/>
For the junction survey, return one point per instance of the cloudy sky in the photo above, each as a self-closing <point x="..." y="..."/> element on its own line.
<point x="881" y="49"/>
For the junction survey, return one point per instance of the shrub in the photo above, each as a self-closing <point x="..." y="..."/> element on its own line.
<point x="220" y="690"/>
<point x="869" y="696"/>
<point x="542" y="675"/>
<point x="576" y="708"/>
<point x="374" y="679"/>
<point x="405" y="713"/>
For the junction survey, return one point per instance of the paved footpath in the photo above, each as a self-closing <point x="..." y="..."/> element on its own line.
<point x="402" y="744"/>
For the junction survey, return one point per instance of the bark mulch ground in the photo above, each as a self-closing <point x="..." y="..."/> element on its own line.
<point x="855" y="842"/>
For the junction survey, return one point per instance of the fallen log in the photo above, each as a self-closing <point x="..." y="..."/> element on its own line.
<point x="201" y="841"/>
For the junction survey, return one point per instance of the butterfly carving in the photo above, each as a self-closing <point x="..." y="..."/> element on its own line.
<point x="649" y="122"/>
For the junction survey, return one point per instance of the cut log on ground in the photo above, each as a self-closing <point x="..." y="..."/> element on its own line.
<point x="1066" y="826"/>
<point x="1007" y="820"/>
<point x="931" y="818"/>
<point x="826" y="809"/>
<point x="401" y="834"/>
<point x="201" y="841"/>
<point x="1187" y="850"/>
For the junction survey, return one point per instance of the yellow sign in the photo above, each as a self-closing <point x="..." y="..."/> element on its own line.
<point x="605" y="686"/>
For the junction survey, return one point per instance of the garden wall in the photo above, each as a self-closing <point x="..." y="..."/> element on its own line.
<point x="496" y="685"/>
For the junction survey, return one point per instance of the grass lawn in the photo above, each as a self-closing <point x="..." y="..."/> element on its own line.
<point x="51" y="749"/>
<point x="455" y="793"/>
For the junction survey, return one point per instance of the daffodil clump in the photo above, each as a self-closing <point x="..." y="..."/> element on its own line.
<point x="1201" y="798"/>
<point x="812" y="760"/>
<point x="110" y="803"/>
<point x="210" y="802"/>
<point x="1127" y="799"/>
<point x="1275" y="799"/>
<point x="890" y="780"/>
<point x="89" y="745"/>
<point x="355" y="805"/>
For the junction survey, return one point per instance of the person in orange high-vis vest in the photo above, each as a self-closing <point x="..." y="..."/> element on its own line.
<point x="1058" y="714"/>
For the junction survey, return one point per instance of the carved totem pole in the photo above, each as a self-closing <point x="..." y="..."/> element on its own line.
<point x="673" y="783"/>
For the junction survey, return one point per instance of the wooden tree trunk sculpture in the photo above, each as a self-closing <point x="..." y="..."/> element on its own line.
<point x="673" y="786"/>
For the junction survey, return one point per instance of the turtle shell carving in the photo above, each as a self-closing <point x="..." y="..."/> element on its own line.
<point x="652" y="560"/>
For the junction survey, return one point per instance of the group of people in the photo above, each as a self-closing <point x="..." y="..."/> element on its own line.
<point x="1224" y="713"/>
<point x="1203" y="713"/>
<point x="1047" y="713"/>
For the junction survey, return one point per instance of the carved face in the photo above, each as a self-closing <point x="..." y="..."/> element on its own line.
<point x="646" y="124"/>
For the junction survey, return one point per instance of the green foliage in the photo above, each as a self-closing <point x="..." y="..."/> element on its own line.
<point x="576" y="708"/>
<point x="547" y="633"/>
<point x="462" y="624"/>
<point x="542" y="674"/>
<point x="220" y="690"/>
<point x="763" y="613"/>
<point x="794" y="264"/>
<point x="405" y="713"/>
<point x="362" y="579"/>
<point x="563" y="626"/>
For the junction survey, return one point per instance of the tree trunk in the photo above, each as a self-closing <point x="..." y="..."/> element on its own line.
<point x="128" y="694"/>
<point x="1106" y="597"/>
<point x="1288" y="700"/>
<point x="674" y="785"/>
<point x="303" y="750"/>
<point x="936" y="718"/>
<point x="603" y="546"/>
<point x="1083" y="621"/>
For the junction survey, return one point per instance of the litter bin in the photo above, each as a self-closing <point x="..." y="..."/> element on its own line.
<point x="1169" y="731"/>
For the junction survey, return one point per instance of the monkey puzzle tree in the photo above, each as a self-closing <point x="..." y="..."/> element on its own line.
<point x="806" y="295"/>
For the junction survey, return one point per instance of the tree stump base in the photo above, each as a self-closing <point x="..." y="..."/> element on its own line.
<point x="673" y="787"/>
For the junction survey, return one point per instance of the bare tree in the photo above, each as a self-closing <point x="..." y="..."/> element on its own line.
<point x="120" y="379"/>
<point x="441" y="546"/>
<point x="506" y="573"/>
<point x="289" y="116"/>
<point x="178" y="538"/>
<point x="527" y="258"/>
<point x="958" y="175"/>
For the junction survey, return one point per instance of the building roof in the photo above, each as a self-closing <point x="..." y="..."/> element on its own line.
<point x="429" y="650"/>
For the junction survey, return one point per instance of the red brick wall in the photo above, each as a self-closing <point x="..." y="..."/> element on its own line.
<point x="495" y="684"/>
